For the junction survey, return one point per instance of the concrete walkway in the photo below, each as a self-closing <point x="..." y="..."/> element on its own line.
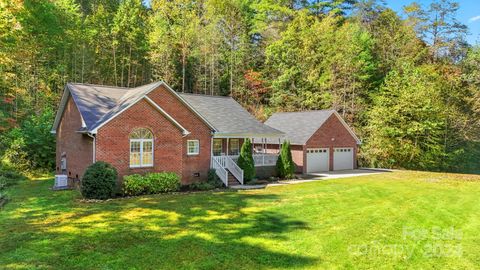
<point x="317" y="177"/>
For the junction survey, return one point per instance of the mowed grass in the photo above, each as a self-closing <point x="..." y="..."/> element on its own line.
<point x="398" y="220"/>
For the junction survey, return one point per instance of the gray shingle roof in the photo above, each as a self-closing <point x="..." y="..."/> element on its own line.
<point x="98" y="104"/>
<point x="228" y="117"/>
<point x="299" y="126"/>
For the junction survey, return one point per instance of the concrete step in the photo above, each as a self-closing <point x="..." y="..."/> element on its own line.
<point x="232" y="181"/>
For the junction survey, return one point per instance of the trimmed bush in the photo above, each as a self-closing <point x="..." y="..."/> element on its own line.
<point x="285" y="165"/>
<point x="245" y="160"/>
<point x="99" y="181"/>
<point x="151" y="183"/>
<point x="134" y="185"/>
<point x="162" y="182"/>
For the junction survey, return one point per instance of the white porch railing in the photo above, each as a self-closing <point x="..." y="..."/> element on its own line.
<point x="220" y="171"/>
<point x="226" y="162"/>
<point x="262" y="159"/>
<point x="234" y="169"/>
<point x="265" y="159"/>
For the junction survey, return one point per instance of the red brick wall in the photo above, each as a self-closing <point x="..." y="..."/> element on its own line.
<point x="113" y="140"/>
<point x="77" y="147"/>
<point x="198" y="131"/>
<point x="297" y="154"/>
<point x="332" y="134"/>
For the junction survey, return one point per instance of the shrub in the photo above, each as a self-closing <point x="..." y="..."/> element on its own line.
<point x="151" y="183"/>
<point x="201" y="186"/>
<point x="16" y="157"/>
<point x="285" y="165"/>
<point x="245" y="160"/>
<point x="162" y="182"/>
<point x="99" y="181"/>
<point x="134" y="185"/>
<point x="30" y="146"/>
<point x="3" y="182"/>
<point x="213" y="179"/>
<point x="9" y="177"/>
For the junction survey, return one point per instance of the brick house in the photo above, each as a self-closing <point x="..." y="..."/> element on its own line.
<point x="320" y="140"/>
<point x="152" y="128"/>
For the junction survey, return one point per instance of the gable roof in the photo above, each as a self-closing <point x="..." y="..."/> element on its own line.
<point x="299" y="127"/>
<point x="228" y="117"/>
<point x="99" y="104"/>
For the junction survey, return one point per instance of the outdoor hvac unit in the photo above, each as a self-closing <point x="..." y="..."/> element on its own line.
<point x="61" y="181"/>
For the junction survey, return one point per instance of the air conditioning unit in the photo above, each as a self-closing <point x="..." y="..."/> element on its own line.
<point x="61" y="181"/>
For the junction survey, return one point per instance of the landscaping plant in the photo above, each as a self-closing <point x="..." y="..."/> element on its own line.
<point x="285" y="165"/>
<point x="245" y="160"/>
<point x="151" y="183"/>
<point x="99" y="181"/>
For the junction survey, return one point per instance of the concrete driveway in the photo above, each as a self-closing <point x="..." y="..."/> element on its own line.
<point x="343" y="174"/>
<point x="317" y="177"/>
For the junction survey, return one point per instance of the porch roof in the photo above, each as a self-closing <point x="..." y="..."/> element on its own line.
<point x="228" y="117"/>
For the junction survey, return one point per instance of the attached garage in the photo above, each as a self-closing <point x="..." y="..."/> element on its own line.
<point x="343" y="159"/>
<point x="320" y="140"/>
<point x="318" y="160"/>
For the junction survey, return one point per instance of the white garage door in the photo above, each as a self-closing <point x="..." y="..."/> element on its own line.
<point x="317" y="160"/>
<point x="342" y="159"/>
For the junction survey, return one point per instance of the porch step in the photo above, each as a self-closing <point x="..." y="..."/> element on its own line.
<point x="232" y="181"/>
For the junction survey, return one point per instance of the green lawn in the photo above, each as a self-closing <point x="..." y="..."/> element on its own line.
<point x="394" y="220"/>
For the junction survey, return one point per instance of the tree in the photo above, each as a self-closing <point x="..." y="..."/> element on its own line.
<point x="318" y="64"/>
<point x="130" y="42"/>
<point x="245" y="160"/>
<point x="394" y="41"/>
<point x="439" y="27"/>
<point x="285" y="164"/>
<point x="407" y="121"/>
<point x="176" y="26"/>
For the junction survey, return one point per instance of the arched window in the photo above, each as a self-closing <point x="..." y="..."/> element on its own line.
<point x="141" y="148"/>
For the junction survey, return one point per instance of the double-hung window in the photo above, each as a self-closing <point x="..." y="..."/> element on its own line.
<point x="217" y="147"/>
<point x="193" y="147"/>
<point x="234" y="147"/>
<point x="141" y="148"/>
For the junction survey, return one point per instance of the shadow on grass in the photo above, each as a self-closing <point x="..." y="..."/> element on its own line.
<point x="195" y="231"/>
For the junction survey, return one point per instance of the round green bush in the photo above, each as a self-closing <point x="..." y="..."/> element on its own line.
<point x="99" y="181"/>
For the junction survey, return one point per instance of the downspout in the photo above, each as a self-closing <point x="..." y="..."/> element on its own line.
<point x="94" y="144"/>
<point x="211" y="149"/>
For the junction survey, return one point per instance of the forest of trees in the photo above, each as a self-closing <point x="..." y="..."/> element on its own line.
<point x="407" y="82"/>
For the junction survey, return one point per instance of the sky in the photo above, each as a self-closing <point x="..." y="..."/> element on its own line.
<point x="468" y="14"/>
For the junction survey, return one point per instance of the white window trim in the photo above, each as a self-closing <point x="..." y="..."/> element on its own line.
<point x="141" y="153"/>
<point x="198" y="148"/>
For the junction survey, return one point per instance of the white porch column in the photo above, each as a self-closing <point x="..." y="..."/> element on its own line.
<point x="264" y="150"/>
<point x="211" y="152"/>
<point x="226" y="152"/>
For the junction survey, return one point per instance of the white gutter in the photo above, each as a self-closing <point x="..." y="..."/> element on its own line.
<point x="94" y="144"/>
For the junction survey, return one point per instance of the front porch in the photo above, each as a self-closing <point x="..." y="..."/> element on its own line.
<point x="225" y="153"/>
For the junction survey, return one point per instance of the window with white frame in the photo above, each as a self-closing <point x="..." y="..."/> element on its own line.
<point x="217" y="147"/>
<point x="193" y="147"/>
<point x="141" y="148"/>
<point x="234" y="147"/>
